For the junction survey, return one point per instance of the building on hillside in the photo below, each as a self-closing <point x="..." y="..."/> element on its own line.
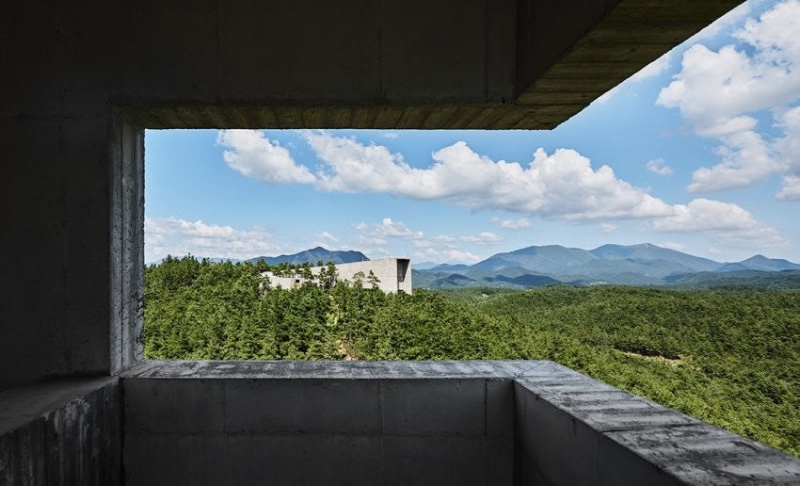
<point x="393" y="275"/>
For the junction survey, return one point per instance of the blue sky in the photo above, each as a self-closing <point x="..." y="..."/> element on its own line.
<point x="699" y="152"/>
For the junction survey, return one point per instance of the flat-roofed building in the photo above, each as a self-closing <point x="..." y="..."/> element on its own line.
<point x="391" y="275"/>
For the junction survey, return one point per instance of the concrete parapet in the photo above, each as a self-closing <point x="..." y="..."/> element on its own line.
<point x="572" y="430"/>
<point x="320" y="423"/>
<point x="468" y="422"/>
<point x="64" y="432"/>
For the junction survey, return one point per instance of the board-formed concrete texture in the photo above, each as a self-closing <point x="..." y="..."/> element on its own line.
<point x="364" y="423"/>
<point x="82" y="79"/>
<point x="68" y="432"/>
<point x="461" y="423"/>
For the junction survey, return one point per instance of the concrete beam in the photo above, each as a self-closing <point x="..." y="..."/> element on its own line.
<point x="626" y="36"/>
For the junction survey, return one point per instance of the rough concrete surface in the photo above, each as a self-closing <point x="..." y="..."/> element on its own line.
<point x="65" y="432"/>
<point x="574" y="430"/>
<point x="471" y="422"/>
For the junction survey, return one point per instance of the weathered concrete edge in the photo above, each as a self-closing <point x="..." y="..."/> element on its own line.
<point x="628" y="430"/>
<point x="20" y="406"/>
<point x="341" y="370"/>
<point x="61" y="432"/>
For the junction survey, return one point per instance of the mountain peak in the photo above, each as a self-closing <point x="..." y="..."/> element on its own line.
<point x="313" y="256"/>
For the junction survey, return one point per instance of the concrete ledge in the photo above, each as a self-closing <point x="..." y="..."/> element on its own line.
<point x="447" y="422"/>
<point x="572" y="430"/>
<point x="321" y="422"/>
<point x="482" y="423"/>
<point x="345" y="370"/>
<point x="64" y="432"/>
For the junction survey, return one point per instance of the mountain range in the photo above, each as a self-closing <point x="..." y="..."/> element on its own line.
<point x="313" y="256"/>
<point x="644" y="265"/>
<point x="641" y="265"/>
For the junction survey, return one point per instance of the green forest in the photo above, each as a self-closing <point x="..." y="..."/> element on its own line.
<point x="730" y="357"/>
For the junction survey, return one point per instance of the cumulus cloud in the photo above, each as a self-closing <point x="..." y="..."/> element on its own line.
<point x="394" y="229"/>
<point x="724" y="23"/>
<point x="482" y="238"/>
<point x="561" y="185"/>
<point x="791" y="189"/>
<point x="377" y="236"/>
<point x="718" y="92"/>
<point x="512" y="224"/>
<point x="178" y="237"/>
<point x="724" y="222"/>
<point x="255" y="156"/>
<point x="745" y="158"/>
<point x="789" y="150"/>
<point x="659" y="167"/>
<point x="608" y="228"/>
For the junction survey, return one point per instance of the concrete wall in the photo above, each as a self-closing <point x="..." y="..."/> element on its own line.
<point x="484" y="422"/>
<point x="572" y="430"/>
<point x="318" y="423"/>
<point x="394" y="274"/>
<point x="354" y="423"/>
<point x="67" y="432"/>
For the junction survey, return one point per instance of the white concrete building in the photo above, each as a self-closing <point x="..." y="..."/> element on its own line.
<point x="393" y="274"/>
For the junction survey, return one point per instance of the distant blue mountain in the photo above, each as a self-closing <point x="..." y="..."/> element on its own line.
<point x="539" y="259"/>
<point x="649" y="252"/>
<point x="445" y="268"/>
<point x="425" y="265"/>
<point x="313" y="256"/>
<point x="759" y="262"/>
<point x="644" y="265"/>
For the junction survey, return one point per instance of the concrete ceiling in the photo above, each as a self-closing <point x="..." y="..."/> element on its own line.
<point x="450" y="64"/>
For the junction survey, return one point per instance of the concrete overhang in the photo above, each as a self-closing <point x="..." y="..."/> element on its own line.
<point x="449" y="64"/>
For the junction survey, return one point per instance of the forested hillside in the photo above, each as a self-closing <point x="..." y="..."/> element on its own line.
<point x="729" y="357"/>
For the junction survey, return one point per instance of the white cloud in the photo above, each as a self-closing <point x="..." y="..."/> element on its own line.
<point x="562" y="185"/>
<point x="746" y="159"/>
<point x="378" y="236"/>
<point x="608" y="228"/>
<point x="659" y="167"/>
<point x="391" y="229"/>
<point x="447" y="255"/>
<point x="178" y="237"/>
<point x="325" y="236"/>
<point x="724" y="222"/>
<point x="788" y="149"/>
<point x="257" y="157"/>
<point x="482" y="238"/>
<point x="724" y="23"/>
<point x="512" y="224"/>
<point x="717" y="92"/>
<point x="790" y="190"/>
